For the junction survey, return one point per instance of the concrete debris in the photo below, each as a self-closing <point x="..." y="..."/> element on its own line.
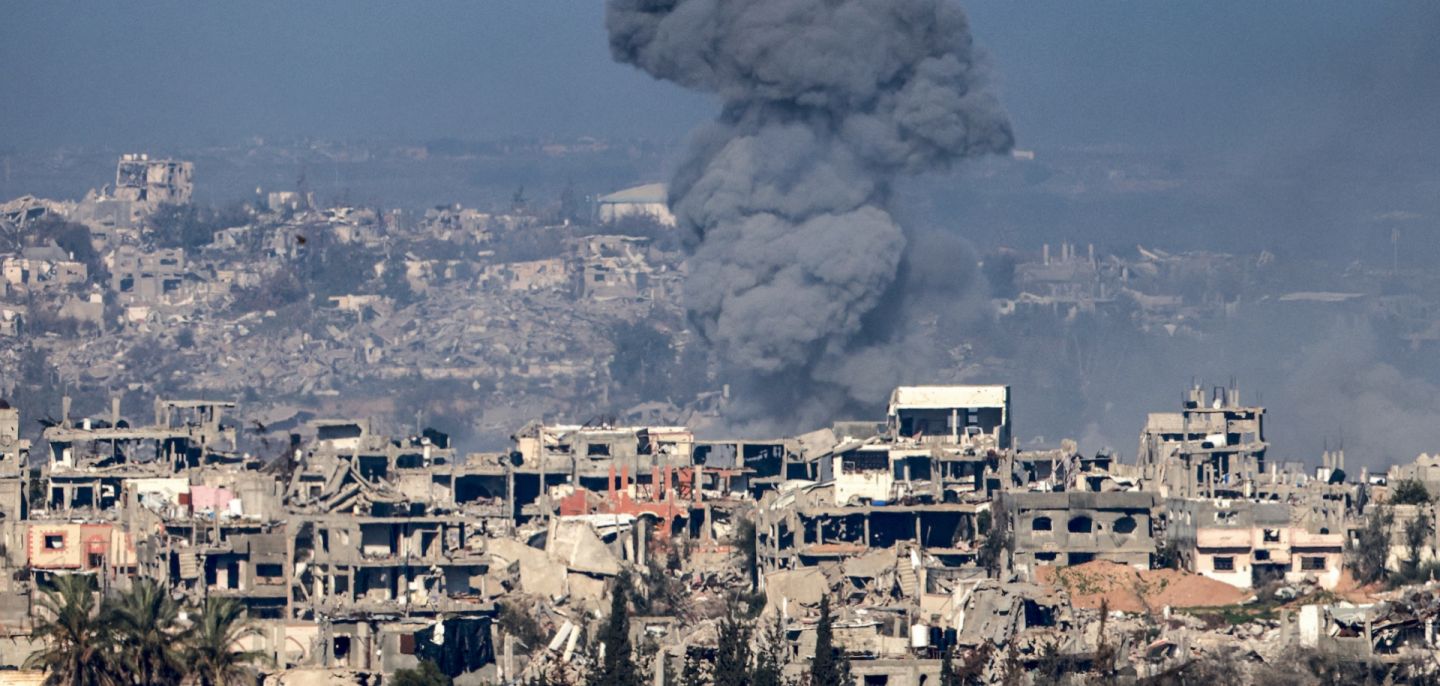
<point x="357" y="553"/>
<point x="360" y="547"/>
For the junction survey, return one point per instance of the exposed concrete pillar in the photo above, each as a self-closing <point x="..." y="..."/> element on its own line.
<point x="642" y="537"/>
<point x="509" y="491"/>
<point x="509" y="658"/>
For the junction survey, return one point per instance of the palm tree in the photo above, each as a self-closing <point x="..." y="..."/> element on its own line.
<point x="147" y="624"/>
<point x="212" y="653"/>
<point x="77" y="650"/>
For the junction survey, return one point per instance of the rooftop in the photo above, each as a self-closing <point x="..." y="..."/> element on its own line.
<point x="941" y="397"/>
<point x="648" y="193"/>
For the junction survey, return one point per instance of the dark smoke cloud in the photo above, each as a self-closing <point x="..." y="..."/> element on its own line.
<point x="796" y="258"/>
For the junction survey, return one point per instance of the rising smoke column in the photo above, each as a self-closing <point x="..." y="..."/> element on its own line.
<point x="785" y="198"/>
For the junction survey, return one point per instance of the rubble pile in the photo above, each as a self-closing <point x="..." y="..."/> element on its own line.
<point x="292" y="469"/>
<point x="288" y="303"/>
<point x="357" y="554"/>
<point x="1126" y="589"/>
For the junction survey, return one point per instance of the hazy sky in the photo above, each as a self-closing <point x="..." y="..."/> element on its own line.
<point x="145" y="73"/>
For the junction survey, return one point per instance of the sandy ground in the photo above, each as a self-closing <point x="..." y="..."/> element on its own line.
<point x="1130" y="590"/>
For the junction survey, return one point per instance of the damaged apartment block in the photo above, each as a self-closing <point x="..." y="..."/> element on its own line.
<point x="362" y="553"/>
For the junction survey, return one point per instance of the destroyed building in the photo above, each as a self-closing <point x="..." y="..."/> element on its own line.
<point x="357" y="551"/>
<point x="1077" y="527"/>
<point x="40" y="267"/>
<point x="14" y="467"/>
<point x="151" y="183"/>
<point x="1213" y="448"/>
<point x="1249" y="543"/>
<point x="649" y="200"/>
<point x="609" y="267"/>
<point x="147" y="277"/>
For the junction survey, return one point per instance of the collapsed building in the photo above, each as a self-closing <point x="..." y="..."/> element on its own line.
<point x="360" y="552"/>
<point x="1210" y="449"/>
<point x="1243" y="542"/>
<point x="142" y="185"/>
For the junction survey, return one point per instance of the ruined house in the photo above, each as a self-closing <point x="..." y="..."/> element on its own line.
<point x="40" y="267"/>
<point x="531" y="275"/>
<point x="649" y="200"/>
<point x="14" y="467"/>
<point x="148" y="278"/>
<point x="919" y="482"/>
<point x="1077" y="527"/>
<point x="1213" y="448"/>
<point x="141" y="186"/>
<point x="609" y="267"/>
<point x="151" y="183"/>
<point x="1247" y="543"/>
<point x="365" y="552"/>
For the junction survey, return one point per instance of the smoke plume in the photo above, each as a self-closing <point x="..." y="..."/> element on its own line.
<point x="798" y="267"/>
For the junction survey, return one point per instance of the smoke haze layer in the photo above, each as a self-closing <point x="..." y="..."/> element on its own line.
<point x="785" y="198"/>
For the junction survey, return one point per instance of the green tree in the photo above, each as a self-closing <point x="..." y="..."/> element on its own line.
<point x="1371" y="547"/>
<point x="1105" y="653"/>
<point x="146" y="622"/>
<point x="213" y="652"/>
<point x="947" y="668"/>
<point x="329" y="267"/>
<point x="617" y="666"/>
<point x="770" y="660"/>
<point x="1014" y="669"/>
<point x="515" y="621"/>
<point x="191" y="226"/>
<point x="394" y="284"/>
<point x="745" y="542"/>
<point x="691" y="674"/>
<point x="1417" y="534"/>
<point x="997" y="545"/>
<point x="74" y="635"/>
<point x="427" y="673"/>
<point x="1409" y="492"/>
<point x="570" y="204"/>
<point x="972" y="666"/>
<point x="842" y="663"/>
<point x="732" y="655"/>
<point x="830" y="666"/>
<point x="280" y="289"/>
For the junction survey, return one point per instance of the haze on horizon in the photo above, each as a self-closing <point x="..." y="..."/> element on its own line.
<point x="1302" y="128"/>
<point x="1233" y="75"/>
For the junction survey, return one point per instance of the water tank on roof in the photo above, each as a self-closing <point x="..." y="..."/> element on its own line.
<point x="919" y="636"/>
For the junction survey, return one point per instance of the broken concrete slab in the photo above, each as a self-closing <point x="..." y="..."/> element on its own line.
<point x="575" y="544"/>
